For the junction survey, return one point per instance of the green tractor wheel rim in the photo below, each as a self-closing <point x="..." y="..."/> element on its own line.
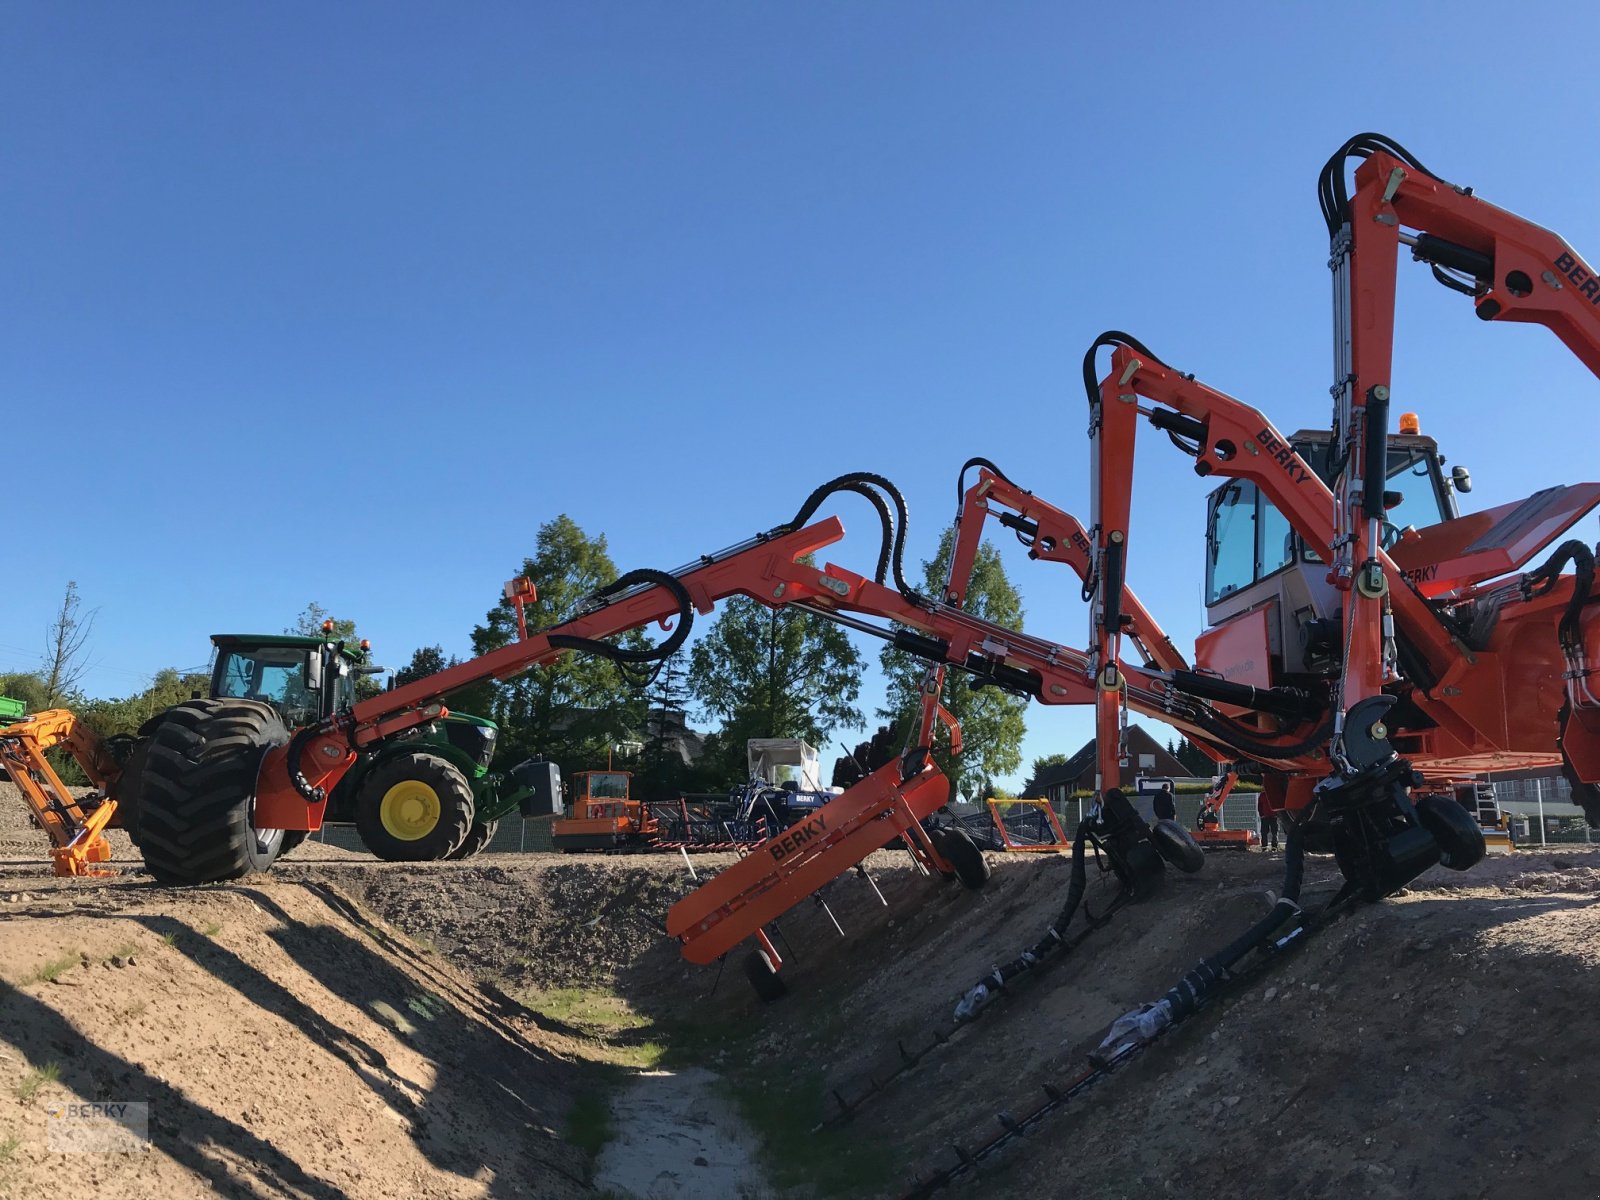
<point x="409" y="810"/>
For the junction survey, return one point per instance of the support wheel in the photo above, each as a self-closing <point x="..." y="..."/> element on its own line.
<point x="196" y="800"/>
<point x="414" y="808"/>
<point x="971" y="868"/>
<point x="1173" y="843"/>
<point x="479" y="836"/>
<point x="767" y="982"/>
<point x="1459" y="836"/>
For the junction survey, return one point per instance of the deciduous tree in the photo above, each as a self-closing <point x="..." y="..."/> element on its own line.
<point x="768" y="672"/>
<point x="574" y="710"/>
<point x="992" y="725"/>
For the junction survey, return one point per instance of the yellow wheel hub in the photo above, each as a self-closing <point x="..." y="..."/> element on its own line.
<point x="409" y="810"/>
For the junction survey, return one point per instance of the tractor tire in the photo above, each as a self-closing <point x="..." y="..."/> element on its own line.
<point x="479" y="836"/>
<point x="128" y="788"/>
<point x="1175" y="845"/>
<point x="769" y="985"/>
<point x="414" y="808"/>
<point x="1459" y="836"/>
<point x="196" y="795"/>
<point x="971" y="868"/>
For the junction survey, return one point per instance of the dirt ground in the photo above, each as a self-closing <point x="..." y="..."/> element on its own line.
<point x="294" y="1044"/>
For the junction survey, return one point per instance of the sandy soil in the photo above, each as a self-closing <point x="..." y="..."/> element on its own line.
<point x="678" y="1135"/>
<point x="1436" y="1045"/>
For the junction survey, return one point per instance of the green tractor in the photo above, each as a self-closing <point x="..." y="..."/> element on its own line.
<point x="424" y="795"/>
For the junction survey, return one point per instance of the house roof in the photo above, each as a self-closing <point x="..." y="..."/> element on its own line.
<point x="1071" y="773"/>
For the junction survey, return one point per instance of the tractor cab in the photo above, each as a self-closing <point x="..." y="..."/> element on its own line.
<point x="1273" y="614"/>
<point x="305" y="678"/>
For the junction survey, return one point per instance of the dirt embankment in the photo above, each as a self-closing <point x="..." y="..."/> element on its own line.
<point x="287" y="1045"/>
<point x="1435" y="1046"/>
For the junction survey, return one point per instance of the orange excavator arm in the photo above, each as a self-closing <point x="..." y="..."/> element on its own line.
<point x="77" y="841"/>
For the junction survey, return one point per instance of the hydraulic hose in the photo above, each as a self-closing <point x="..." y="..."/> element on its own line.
<point x="1195" y="988"/>
<point x="1333" y="195"/>
<point x="621" y="654"/>
<point x="857" y="482"/>
<point x="1540" y="580"/>
<point x="975" y="461"/>
<point x="1111" y="337"/>
<point x="982" y="993"/>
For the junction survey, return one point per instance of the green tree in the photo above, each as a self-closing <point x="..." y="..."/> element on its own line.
<point x="992" y="726"/>
<point x="27" y="686"/>
<point x="167" y="688"/>
<point x="1193" y="758"/>
<point x="425" y="661"/>
<point x="773" y="672"/>
<point x="575" y="709"/>
<point x="663" y="774"/>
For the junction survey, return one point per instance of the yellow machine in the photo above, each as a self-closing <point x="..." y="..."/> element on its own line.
<point x="75" y="827"/>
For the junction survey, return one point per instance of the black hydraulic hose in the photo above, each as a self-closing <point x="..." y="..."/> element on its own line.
<point x="870" y="479"/>
<point x="1111" y="337"/>
<point x="980" y="994"/>
<point x="885" y="520"/>
<point x="1231" y="733"/>
<point x="1195" y="988"/>
<point x="1333" y="195"/>
<point x="1541" y="579"/>
<point x="621" y="654"/>
<point x="297" y="777"/>
<point x="975" y="461"/>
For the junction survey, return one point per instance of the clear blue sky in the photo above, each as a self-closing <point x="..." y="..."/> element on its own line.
<point x="340" y="302"/>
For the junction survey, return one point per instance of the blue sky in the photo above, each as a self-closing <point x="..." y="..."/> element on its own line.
<point x="340" y="302"/>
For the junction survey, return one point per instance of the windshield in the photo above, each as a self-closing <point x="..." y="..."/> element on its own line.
<point x="603" y="786"/>
<point x="1231" y="541"/>
<point x="1411" y="474"/>
<point x="273" y="674"/>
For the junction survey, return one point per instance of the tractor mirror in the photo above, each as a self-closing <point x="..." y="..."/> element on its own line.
<point x="314" y="671"/>
<point x="1461" y="479"/>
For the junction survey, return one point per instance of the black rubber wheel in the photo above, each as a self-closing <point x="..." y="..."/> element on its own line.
<point x="971" y="868"/>
<point x="127" y="788"/>
<point x="767" y="983"/>
<point x="414" y="808"/>
<point x="196" y="799"/>
<point x="1455" y="829"/>
<point x="1173" y="843"/>
<point x="479" y="836"/>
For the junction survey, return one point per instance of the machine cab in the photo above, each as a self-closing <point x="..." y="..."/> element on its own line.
<point x="1272" y="612"/>
<point x="601" y="794"/>
<point x="305" y="679"/>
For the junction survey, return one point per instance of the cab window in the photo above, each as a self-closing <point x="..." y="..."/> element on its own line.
<point x="1247" y="539"/>
<point x="273" y="675"/>
<point x="604" y="786"/>
<point x="1231" y="540"/>
<point x="1411" y="473"/>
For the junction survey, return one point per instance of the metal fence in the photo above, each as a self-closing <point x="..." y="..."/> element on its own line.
<point x="1540" y="811"/>
<point x="1238" y="811"/>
